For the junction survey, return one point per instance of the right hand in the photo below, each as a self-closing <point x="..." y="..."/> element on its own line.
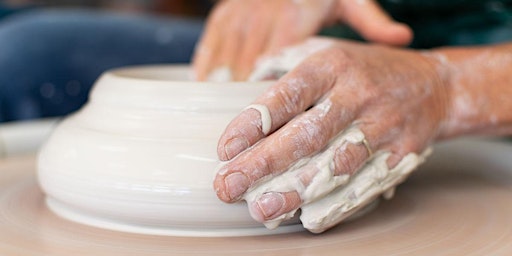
<point x="398" y="99"/>
<point x="238" y="32"/>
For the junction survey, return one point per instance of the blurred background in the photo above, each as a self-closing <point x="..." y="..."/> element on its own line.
<point x="52" y="51"/>
<point x="194" y="8"/>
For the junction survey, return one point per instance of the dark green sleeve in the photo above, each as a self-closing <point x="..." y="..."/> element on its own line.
<point x="447" y="22"/>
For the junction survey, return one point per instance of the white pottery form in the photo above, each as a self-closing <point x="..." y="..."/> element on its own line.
<point x="140" y="156"/>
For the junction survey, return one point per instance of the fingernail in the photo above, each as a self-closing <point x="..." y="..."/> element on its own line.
<point x="236" y="184"/>
<point x="270" y="203"/>
<point x="235" y="146"/>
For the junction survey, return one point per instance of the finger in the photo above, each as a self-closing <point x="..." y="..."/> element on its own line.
<point x="256" y="41"/>
<point x="209" y="45"/>
<point x="292" y="95"/>
<point x="400" y="148"/>
<point x="346" y="159"/>
<point x="332" y="167"/>
<point x="205" y="52"/>
<point x="274" y="204"/>
<point x="373" y="23"/>
<point x="235" y="35"/>
<point x="301" y="137"/>
<point x="349" y="160"/>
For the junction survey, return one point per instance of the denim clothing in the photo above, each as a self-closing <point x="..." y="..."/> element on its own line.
<point x="49" y="59"/>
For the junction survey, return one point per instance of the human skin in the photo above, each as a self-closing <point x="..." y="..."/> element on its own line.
<point x="239" y="32"/>
<point x="402" y="100"/>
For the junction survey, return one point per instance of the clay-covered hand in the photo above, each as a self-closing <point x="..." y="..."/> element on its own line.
<point x="238" y="32"/>
<point x="395" y="99"/>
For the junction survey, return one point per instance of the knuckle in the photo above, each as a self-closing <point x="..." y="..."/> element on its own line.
<point x="404" y="147"/>
<point x="411" y="147"/>
<point x="288" y="18"/>
<point x="306" y="148"/>
<point x="288" y="96"/>
<point x="393" y="123"/>
<point x="263" y="166"/>
<point x="306" y="140"/>
<point x="349" y="160"/>
<point x="217" y="15"/>
<point x="339" y="57"/>
<point x="307" y="175"/>
<point x="344" y="163"/>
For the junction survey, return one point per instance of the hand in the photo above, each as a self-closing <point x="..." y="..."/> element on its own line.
<point x="238" y="32"/>
<point x="397" y="98"/>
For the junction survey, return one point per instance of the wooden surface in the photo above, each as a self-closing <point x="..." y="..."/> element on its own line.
<point x="459" y="203"/>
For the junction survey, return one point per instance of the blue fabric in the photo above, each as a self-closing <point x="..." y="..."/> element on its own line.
<point x="49" y="59"/>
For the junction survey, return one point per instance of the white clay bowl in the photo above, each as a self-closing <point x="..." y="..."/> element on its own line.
<point x="140" y="156"/>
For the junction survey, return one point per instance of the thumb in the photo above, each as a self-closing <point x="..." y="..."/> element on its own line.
<point x="373" y="23"/>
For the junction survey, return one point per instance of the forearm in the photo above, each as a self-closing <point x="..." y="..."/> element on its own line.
<point x="479" y="85"/>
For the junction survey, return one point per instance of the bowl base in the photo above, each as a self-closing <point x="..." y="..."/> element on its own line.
<point x="71" y="213"/>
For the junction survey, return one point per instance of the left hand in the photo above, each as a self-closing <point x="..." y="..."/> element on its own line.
<point x="397" y="98"/>
<point x="238" y="32"/>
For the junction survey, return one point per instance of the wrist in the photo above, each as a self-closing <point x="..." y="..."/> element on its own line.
<point x="441" y="74"/>
<point x="478" y="90"/>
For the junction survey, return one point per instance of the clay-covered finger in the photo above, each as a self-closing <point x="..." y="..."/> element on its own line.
<point x="349" y="159"/>
<point x="272" y="205"/>
<point x="400" y="148"/>
<point x="332" y="167"/>
<point x="373" y="180"/>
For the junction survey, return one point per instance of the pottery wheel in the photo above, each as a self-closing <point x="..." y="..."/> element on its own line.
<point x="459" y="203"/>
